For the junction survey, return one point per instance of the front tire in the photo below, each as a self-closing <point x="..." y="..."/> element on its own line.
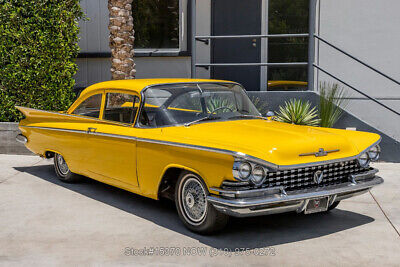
<point x="194" y="210"/>
<point x="62" y="170"/>
<point x="333" y="206"/>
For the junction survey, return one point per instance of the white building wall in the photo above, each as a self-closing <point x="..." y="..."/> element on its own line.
<point x="368" y="30"/>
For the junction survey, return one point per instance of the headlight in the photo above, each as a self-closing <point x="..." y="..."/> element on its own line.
<point x="246" y="171"/>
<point x="241" y="170"/>
<point x="258" y="175"/>
<point x="374" y="153"/>
<point x="364" y="160"/>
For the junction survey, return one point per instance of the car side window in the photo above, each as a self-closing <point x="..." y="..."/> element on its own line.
<point x="90" y="107"/>
<point x="121" y="107"/>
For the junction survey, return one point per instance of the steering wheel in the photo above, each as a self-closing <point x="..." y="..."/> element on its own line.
<point x="221" y="108"/>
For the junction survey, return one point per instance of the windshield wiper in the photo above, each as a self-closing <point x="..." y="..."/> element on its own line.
<point x="248" y="116"/>
<point x="201" y="119"/>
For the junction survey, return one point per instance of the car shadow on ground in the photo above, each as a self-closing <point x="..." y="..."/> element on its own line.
<point x="255" y="232"/>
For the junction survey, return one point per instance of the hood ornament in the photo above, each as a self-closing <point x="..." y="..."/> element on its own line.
<point x="321" y="152"/>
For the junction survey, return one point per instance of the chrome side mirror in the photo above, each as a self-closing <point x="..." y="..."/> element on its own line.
<point x="270" y="113"/>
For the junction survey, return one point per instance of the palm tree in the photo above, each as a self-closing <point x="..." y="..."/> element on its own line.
<point x="121" y="39"/>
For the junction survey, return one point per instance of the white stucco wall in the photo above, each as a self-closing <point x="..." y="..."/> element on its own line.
<point x="369" y="30"/>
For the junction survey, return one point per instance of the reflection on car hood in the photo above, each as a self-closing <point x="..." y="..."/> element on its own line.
<point x="275" y="142"/>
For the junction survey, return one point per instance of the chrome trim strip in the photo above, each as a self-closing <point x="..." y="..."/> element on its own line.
<point x="294" y="196"/>
<point x="249" y="193"/>
<point x="54" y="129"/>
<point x="354" y="178"/>
<point x="235" y="154"/>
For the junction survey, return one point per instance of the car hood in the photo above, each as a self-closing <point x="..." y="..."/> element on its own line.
<point x="276" y="142"/>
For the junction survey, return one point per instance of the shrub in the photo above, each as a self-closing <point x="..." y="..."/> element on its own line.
<point x="38" y="47"/>
<point x="299" y="112"/>
<point x="332" y="100"/>
<point x="262" y="106"/>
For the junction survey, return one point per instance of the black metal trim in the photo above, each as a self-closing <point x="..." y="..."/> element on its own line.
<point x="137" y="54"/>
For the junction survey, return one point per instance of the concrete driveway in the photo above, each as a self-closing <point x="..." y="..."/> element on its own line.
<point x="46" y="222"/>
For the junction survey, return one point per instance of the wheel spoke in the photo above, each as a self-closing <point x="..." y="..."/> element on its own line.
<point x="194" y="200"/>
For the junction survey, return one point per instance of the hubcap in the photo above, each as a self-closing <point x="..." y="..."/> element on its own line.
<point x="190" y="200"/>
<point x="62" y="165"/>
<point x="194" y="200"/>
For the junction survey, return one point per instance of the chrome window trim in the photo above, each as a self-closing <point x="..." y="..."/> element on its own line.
<point x="235" y="154"/>
<point x="116" y="122"/>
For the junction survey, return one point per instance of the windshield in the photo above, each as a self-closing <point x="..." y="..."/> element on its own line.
<point x="167" y="105"/>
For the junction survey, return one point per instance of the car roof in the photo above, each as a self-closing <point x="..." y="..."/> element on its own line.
<point x="137" y="85"/>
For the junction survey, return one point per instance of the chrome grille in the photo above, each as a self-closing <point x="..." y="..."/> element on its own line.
<point x="303" y="178"/>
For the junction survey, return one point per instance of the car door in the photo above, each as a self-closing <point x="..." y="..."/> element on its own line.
<point x="73" y="141"/>
<point x="112" y="144"/>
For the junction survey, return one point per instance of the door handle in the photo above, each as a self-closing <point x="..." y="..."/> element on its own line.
<point x="91" y="130"/>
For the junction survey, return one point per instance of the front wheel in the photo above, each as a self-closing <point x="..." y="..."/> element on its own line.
<point x="334" y="205"/>
<point x="193" y="208"/>
<point x="62" y="170"/>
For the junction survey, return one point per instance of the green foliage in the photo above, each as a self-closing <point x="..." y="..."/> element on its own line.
<point x="262" y="106"/>
<point x="332" y="100"/>
<point x="217" y="102"/>
<point x="38" y="47"/>
<point x="297" y="111"/>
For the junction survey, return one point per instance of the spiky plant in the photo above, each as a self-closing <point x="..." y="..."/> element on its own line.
<point x="333" y="99"/>
<point x="217" y="102"/>
<point x="297" y="111"/>
<point x="262" y="106"/>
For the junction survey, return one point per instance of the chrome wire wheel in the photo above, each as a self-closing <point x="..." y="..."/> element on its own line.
<point x="62" y="165"/>
<point x="193" y="200"/>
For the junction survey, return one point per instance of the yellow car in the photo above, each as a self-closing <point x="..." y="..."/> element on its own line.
<point x="287" y="85"/>
<point x="203" y="144"/>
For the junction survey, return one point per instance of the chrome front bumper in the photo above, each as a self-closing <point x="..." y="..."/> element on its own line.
<point x="245" y="203"/>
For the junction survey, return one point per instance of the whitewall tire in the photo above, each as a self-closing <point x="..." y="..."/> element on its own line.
<point x="193" y="208"/>
<point x="62" y="170"/>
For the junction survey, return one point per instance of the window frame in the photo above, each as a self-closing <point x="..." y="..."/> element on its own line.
<point x="183" y="37"/>
<point x="143" y="99"/>
<point x="119" y="91"/>
<point x="81" y="100"/>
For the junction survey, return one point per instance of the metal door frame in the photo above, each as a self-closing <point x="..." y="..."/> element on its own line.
<point x="264" y="53"/>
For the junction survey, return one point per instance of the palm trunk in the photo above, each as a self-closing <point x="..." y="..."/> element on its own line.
<point x="121" y="39"/>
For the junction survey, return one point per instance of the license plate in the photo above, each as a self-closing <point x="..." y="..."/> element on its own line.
<point x="317" y="205"/>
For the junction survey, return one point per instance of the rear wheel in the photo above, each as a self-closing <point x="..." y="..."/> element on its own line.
<point x="193" y="208"/>
<point x="62" y="170"/>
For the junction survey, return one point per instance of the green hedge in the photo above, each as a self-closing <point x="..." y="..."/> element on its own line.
<point x="38" y="47"/>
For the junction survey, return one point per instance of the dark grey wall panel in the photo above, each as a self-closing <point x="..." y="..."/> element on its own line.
<point x="94" y="32"/>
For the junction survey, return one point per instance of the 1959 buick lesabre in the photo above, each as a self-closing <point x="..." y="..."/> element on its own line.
<point x="203" y="144"/>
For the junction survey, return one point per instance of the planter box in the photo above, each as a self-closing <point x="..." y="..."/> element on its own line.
<point x="8" y="144"/>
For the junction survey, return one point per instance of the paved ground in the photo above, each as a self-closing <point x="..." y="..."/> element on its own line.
<point x="45" y="222"/>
